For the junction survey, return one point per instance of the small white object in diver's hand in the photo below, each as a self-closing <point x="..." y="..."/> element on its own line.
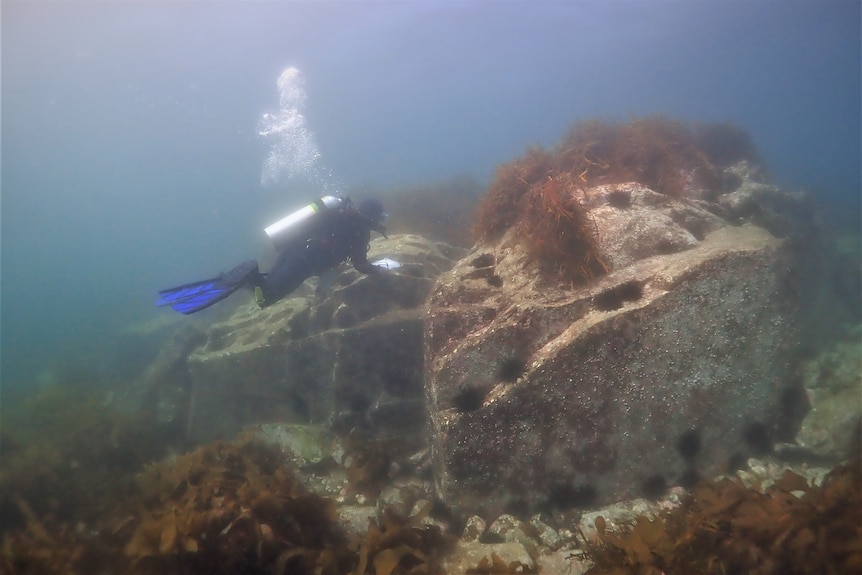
<point x="388" y="264"/>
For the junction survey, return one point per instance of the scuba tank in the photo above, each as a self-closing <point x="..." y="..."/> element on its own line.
<point x="296" y="226"/>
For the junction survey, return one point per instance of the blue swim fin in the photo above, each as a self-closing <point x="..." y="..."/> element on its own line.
<point x="193" y="297"/>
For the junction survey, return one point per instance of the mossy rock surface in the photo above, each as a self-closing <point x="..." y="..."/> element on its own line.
<point x="304" y="444"/>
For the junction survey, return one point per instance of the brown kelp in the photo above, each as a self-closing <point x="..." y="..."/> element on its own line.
<point x="227" y="507"/>
<point x="537" y="194"/>
<point x="724" y="527"/>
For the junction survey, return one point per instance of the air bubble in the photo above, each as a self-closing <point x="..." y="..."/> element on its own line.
<point x="293" y="149"/>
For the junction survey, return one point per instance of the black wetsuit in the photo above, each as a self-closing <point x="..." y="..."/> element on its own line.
<point x="337" y="236"/>
<point x="340" y="235"/>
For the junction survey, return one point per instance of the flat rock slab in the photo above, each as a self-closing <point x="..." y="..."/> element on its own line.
<point x="349" y="360"/>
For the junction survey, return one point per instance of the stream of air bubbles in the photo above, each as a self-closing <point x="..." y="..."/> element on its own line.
<point x="293" y="151"/>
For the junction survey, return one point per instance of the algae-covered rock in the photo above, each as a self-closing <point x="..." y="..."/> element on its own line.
<point x="669" y="367"/>
<point x="634" y="222"/>
<point x="833" y="382"/>
<point x="350" y="359"/>
<point x="303" y="445"/>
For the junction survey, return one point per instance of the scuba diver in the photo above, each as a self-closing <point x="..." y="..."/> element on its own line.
<point x="310" y="242"/>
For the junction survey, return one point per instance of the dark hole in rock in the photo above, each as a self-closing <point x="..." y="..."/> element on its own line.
<point x="267" y="460"/>
<point x="468" y="399"/>
<point x="511" y="369"/>
<point x="758" y="438"/>
<point x="736" y="462"/>
<point x="565" y="496"/>
<point x="697" y="229"/>
<point x="440" y="511"/>
<point x="299" y="404"/>
<point x="666" y="247"/>
<point x="613" y="298"/>
<point x="483" y="261"/>
<point x="794" y="407"/>
<point x="195" y="477"/>
<point x="488" y="314"/>
<point x="688" y="444"/>
<point x="489" y="538"/>
<point x="517" y="507"/>
<point x="689" y="478"/>
<point x="654" y="486"/>
<point x="495" y="281"/>
<point x="356" y="401"/>
<point x="479" y="273"/>
<point x="619" y="199"/>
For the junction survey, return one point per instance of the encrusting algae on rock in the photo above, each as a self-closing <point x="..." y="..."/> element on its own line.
<point x="723" y="527"/>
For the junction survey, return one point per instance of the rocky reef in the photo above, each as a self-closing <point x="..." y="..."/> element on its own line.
<point x="350" y="359"/>
<point x="283" y="499"/>
<point x="641" y="312"/>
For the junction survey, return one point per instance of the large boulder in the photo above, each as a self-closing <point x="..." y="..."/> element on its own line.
<point x="676" y="364"/>
<point x="351" y="359"/>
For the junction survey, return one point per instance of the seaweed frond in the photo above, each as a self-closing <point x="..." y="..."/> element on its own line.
<point x="537" y="193"/>
<point x="724" y="527"/>
<point x="500" y="208"/>
<point x="559" y="234"/>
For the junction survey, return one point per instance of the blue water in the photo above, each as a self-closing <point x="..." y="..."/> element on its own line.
<point x="132" y="158"/>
